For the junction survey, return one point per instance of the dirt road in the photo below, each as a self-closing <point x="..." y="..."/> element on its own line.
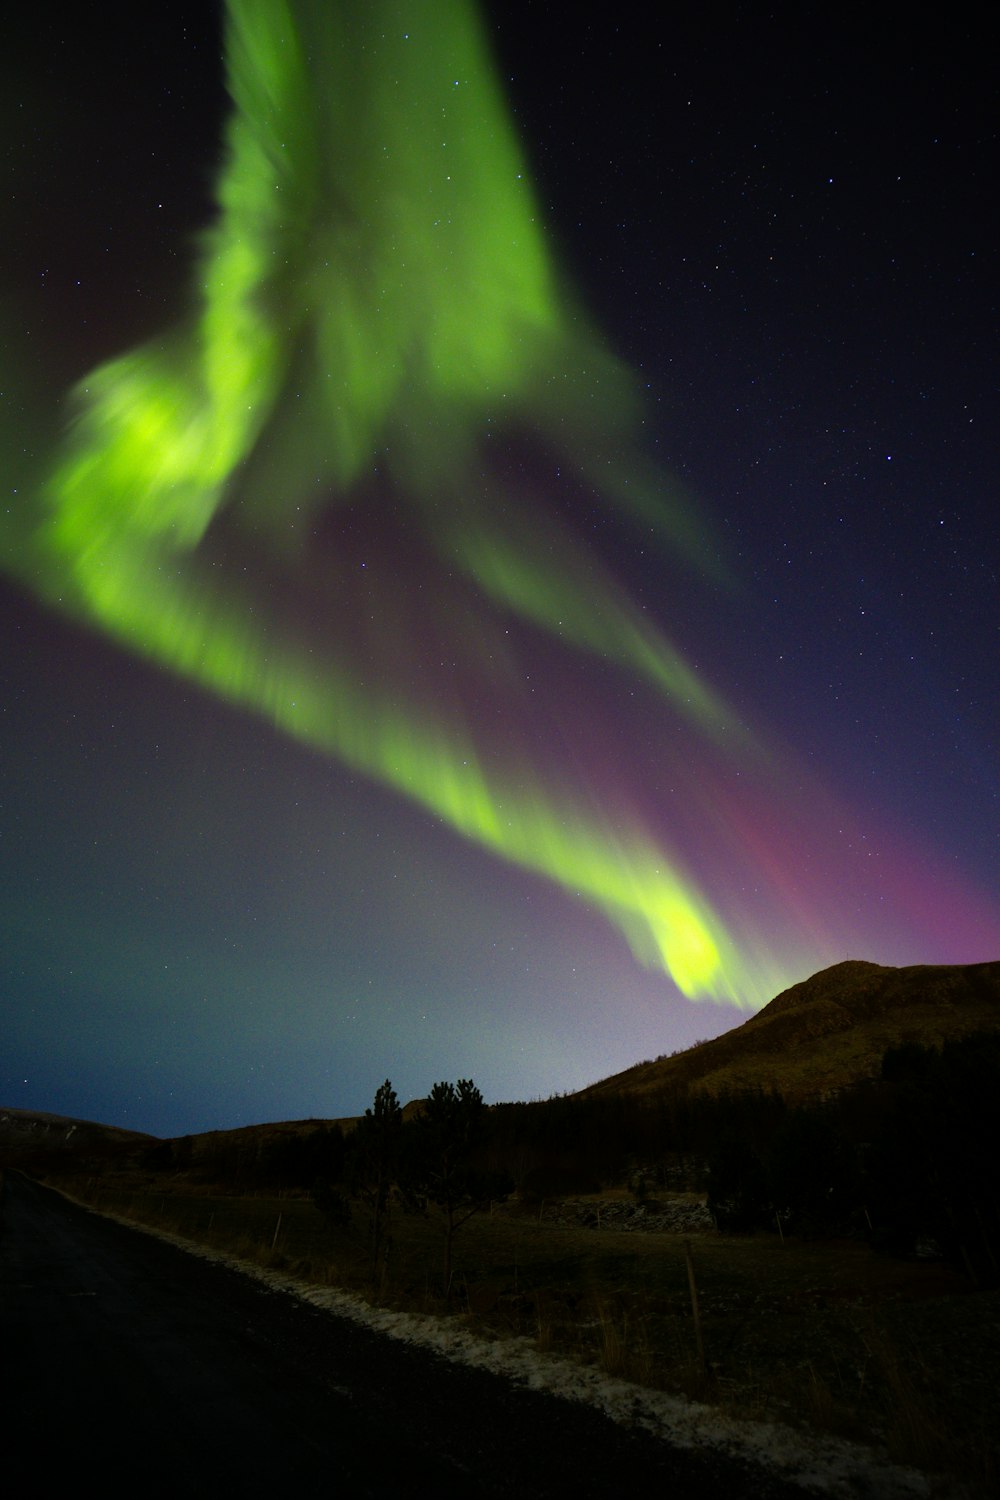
<point x="148" y="1370"/>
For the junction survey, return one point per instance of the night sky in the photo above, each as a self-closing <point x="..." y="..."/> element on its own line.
<point x="489" y="723"/>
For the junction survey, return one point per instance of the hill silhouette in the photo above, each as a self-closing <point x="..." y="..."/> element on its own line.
<point x="828" y="1032"/>
<point x="33" y="1139"/>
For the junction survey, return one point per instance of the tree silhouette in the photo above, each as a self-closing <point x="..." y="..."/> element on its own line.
<point x="372" y="1167"/>
<point x="444" y="1164"/>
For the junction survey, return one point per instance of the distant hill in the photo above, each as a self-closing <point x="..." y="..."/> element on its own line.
<point x="30" y="1137"/>
<point x="828" y="1032"/>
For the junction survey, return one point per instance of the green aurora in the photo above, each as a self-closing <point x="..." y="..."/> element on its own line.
<point x="376" y="303"/>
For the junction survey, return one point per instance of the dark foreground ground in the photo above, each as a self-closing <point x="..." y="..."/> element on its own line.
<point x="139" y="1367"/>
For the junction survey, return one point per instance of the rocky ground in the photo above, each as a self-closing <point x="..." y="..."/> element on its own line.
<point x="674" y="1216"/>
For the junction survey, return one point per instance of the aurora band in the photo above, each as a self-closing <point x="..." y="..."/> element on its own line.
<point x="377" y="295"/>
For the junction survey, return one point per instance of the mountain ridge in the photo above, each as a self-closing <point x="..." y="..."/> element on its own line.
<point x="828" y="1031"/>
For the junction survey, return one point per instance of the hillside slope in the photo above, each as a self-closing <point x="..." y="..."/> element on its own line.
<point x="31" y="1138"/>
<point x="829" y="1031"/>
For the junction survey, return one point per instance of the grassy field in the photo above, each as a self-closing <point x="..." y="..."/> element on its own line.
<point x="823" y="1334"/>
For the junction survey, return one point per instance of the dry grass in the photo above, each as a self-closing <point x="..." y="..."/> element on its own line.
<point x="824" y="1335"/>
